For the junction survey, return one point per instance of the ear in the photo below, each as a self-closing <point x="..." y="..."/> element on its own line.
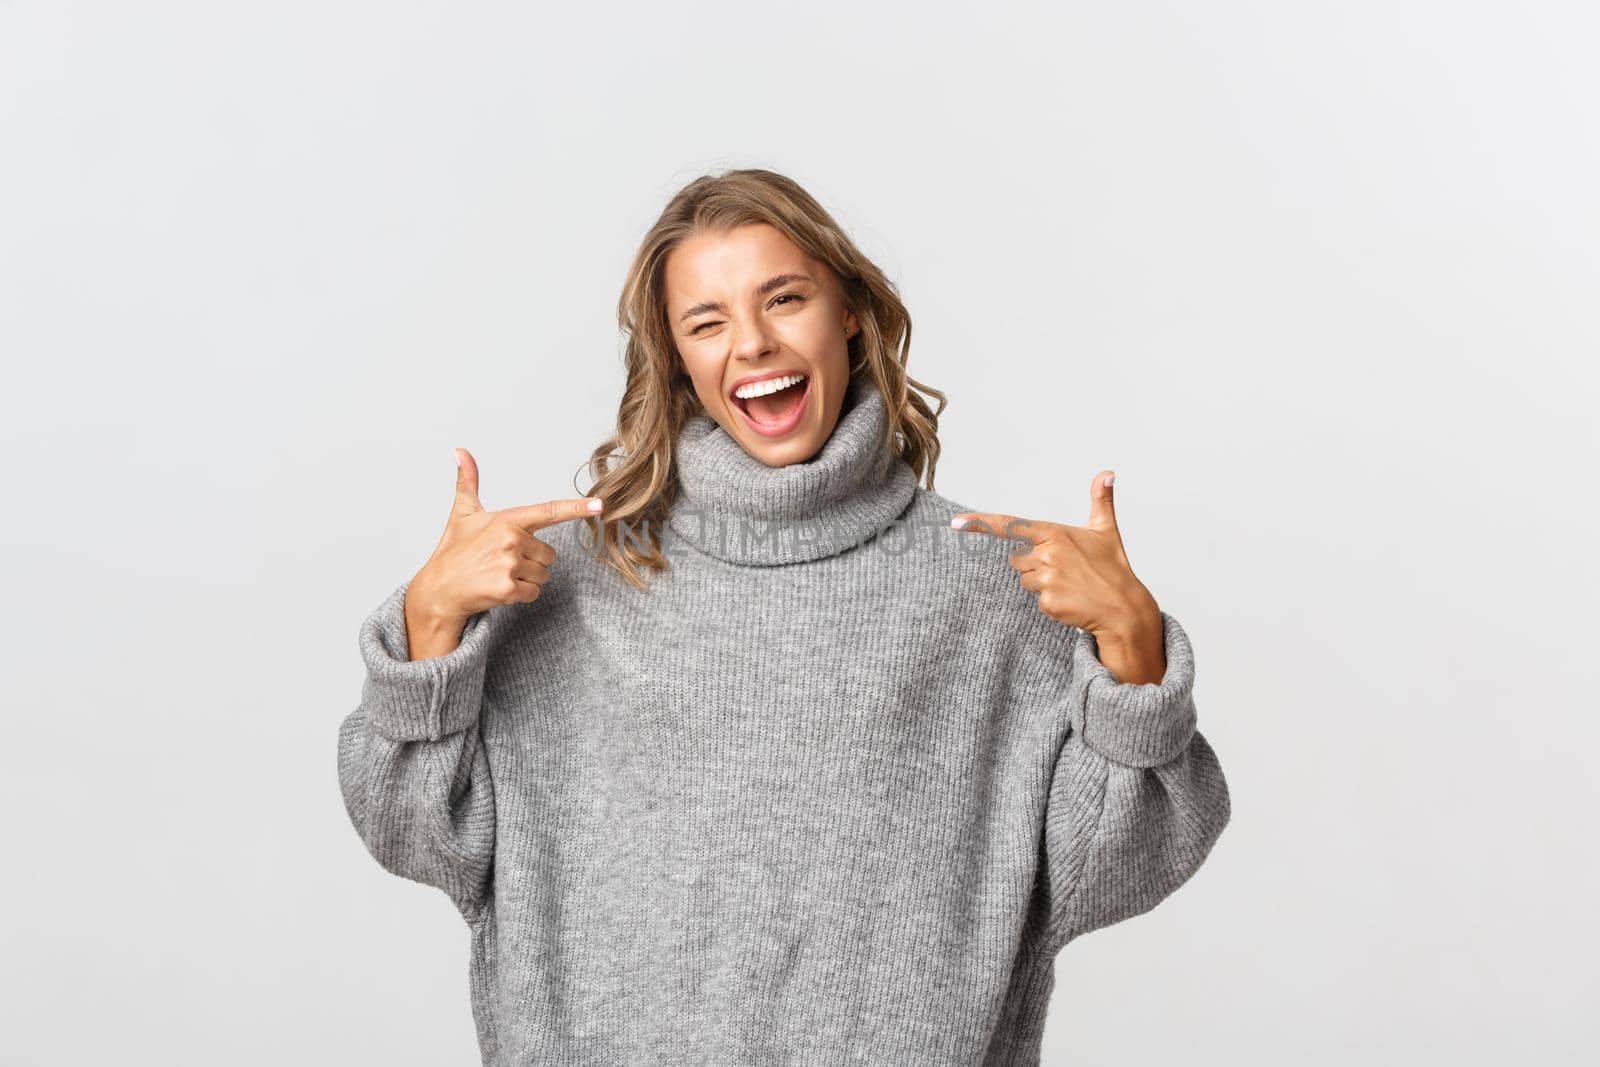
<point x="851" y="325"/>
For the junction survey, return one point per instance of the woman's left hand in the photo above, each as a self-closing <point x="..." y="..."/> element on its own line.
<point x="1083" y="579"/>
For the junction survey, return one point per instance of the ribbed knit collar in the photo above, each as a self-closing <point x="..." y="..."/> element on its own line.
<point x="735" y="507"/>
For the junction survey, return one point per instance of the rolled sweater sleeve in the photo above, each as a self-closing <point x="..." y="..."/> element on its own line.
<point x="412" y="769"/>
<point x="1137" y="797"/>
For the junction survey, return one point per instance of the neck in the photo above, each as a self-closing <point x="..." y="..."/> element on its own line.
<point x="733" y="506"/>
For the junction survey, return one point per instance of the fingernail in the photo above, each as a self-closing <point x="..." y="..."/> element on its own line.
<point x="595" y="503"/>
<point x="1110" y="478"/>
<point x="958" y="522"/>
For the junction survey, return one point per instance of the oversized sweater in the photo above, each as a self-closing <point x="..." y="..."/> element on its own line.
<point x="833" y="790"/>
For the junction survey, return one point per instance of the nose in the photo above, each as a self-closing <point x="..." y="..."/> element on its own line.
<point x="750" y="340"/>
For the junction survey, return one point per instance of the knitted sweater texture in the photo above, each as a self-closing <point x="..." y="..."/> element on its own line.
<point x="833" y="790"/>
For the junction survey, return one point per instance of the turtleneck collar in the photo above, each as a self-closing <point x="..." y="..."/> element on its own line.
<point x="735" y="507"/>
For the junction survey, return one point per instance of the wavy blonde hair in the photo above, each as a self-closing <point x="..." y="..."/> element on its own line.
<point x="633" y="470"/>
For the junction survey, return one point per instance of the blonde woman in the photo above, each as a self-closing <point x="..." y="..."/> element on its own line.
<point x="767" y="761"/>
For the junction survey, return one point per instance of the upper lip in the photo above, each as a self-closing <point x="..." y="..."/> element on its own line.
<point x="763" y="376"/>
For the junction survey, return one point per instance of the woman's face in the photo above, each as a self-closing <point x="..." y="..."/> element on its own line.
<point x="747" y="304"/>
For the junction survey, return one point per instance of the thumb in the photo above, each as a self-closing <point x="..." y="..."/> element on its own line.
<point x="1102" y="510"/>
<point x="466" y="501"/>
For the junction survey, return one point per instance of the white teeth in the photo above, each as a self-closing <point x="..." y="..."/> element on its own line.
<point x="771" y="385"/>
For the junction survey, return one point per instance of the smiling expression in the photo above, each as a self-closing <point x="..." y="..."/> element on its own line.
<point x="749" y="304"/>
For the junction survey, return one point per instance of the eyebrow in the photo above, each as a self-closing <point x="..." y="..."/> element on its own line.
<point x="777" y="281"/>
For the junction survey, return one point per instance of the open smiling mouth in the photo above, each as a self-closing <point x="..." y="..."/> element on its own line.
<point x="775" y="413"/>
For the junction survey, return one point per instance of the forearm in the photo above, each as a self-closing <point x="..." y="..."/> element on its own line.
<point x="1135" y="651"/>
<point x="1138" y="796"/>
<point x="412" y="766"/>
<point x="429" y="635"/>
<point x="429" y="632"/>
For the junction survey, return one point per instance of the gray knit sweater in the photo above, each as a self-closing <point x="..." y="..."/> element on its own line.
<point x="833" y="790"/>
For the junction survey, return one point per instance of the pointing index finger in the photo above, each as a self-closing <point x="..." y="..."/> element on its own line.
<point x="533" y="517"/>
<point x="997" y="524"/>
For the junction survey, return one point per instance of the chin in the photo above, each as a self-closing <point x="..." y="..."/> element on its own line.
<point x="785" y="454"/>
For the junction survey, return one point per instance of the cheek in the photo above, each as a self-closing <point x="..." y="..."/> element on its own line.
<point x="693" y="364"/>
<point x="705" y="373"/>
<point x="816" y="334"/>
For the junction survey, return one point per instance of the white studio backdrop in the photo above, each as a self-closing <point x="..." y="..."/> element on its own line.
<point x="1317" y="280"/>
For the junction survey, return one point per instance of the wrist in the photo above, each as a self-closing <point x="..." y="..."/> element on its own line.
<point x="1135" y="624"/>
<point x="1134" y="647"/>
<point x="424" y="605"/>
<point x="431" y="630"/>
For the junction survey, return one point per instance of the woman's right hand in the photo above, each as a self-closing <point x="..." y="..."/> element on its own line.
<point x="485" y="559"/>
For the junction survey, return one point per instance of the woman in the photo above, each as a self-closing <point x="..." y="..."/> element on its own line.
<point x="777" y="767"/>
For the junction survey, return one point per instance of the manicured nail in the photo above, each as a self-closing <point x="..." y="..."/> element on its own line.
<point x="958" y="522"/>
<point x="1109" y="478"/>
<point x="595" y="503"/>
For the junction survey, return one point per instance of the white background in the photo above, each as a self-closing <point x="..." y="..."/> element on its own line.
<point x="1317" y="280"/>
